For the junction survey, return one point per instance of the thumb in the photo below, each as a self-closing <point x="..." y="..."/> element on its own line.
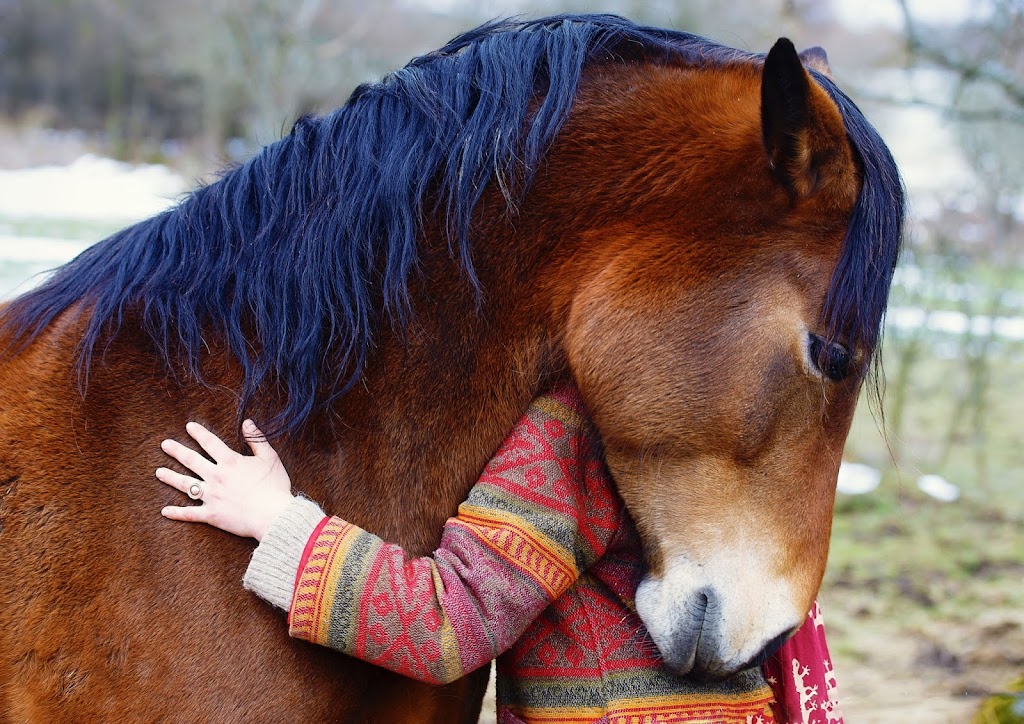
<point x="258" y="442"/>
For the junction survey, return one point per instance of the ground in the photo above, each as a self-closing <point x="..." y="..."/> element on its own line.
<point x="925" y="644"/>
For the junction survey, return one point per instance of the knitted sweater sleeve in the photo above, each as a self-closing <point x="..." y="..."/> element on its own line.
<point x="541" y="512"/>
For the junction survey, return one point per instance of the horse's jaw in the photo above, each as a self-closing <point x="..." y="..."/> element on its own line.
<point x="712" y="629"/>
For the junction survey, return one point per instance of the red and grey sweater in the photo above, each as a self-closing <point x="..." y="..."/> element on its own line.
<point x="539" y="570"/>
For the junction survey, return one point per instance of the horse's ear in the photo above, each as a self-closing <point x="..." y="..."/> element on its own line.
<point x="816" y="58"/>
<point x="787" y="118"/>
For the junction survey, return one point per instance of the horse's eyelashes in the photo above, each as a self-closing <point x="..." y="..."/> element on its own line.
<point x="830" y="358"/>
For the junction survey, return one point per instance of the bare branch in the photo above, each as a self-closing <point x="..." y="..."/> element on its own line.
<point x="947" y="110"/>
<point x="971" y="70"/>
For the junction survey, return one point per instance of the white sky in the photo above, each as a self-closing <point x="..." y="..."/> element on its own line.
<point x="856" y="14"/>
<point x="863" y="14"/>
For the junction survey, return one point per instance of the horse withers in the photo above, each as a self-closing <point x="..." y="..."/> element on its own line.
<point x="702" y="238"/>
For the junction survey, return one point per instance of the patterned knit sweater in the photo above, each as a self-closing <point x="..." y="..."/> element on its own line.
<point x="539" y="569"/>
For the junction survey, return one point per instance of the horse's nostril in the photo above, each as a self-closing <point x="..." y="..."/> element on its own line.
<point x="698" y="605"/>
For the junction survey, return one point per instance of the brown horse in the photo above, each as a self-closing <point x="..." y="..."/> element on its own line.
<point x="702" y="238"/>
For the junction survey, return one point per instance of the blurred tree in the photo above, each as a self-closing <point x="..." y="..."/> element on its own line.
<point x="987" y="50"/>
<point x="82" y="63"/>
<point x="971" y="247"/>
<point x="143" y="70"/>
<point x="259" y="64"/>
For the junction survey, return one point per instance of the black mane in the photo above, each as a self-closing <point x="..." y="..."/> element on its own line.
<point x="295" y="257"/>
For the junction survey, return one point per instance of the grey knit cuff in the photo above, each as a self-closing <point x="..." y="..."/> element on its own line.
<point x="275" y="562"/>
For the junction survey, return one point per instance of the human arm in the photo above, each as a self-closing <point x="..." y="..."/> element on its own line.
<point x="528" y="527"/>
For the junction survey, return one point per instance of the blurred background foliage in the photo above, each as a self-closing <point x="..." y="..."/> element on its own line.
<point x="926" y="596"/>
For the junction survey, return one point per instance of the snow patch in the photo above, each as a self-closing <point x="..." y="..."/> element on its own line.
<point x="30" y="250"/>
<point x="857" y="479"/>
<point x="938" y="487"/>
<point x="955" y="323"/>
<point x="91" y="188"/>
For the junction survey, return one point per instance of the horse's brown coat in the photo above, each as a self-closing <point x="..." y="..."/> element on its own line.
<point x="655" y="217"/>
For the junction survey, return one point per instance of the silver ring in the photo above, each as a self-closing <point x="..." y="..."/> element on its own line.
<point x="195" y="491"/>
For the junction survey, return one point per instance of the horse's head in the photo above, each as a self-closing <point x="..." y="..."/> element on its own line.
<point x="700" y="338"/>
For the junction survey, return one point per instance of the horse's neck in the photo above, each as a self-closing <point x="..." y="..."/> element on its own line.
<point x="433" y="406"/>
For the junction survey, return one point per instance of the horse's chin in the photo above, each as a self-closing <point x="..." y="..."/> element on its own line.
<point x="704" y="633"/>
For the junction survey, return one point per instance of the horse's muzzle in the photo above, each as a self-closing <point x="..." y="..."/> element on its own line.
<point x="691" y="638"/>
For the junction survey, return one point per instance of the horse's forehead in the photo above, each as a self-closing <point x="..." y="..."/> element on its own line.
<point x="686" y="142"/>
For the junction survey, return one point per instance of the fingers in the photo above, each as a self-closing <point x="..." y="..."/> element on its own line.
<point x="175" y="480"/>
<point x="189" y="458"/>
<point x="189" y="514"/>
<point x="258" y="441"/>
<point x="209" y="442"/>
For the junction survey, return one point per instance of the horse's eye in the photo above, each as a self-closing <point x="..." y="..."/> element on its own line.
<point x="831" y="359"/>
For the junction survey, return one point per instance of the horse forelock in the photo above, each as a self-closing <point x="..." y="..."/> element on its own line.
<point x="295" y="257"/>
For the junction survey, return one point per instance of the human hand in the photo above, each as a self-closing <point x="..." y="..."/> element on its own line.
<point x="241" y="494"/>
